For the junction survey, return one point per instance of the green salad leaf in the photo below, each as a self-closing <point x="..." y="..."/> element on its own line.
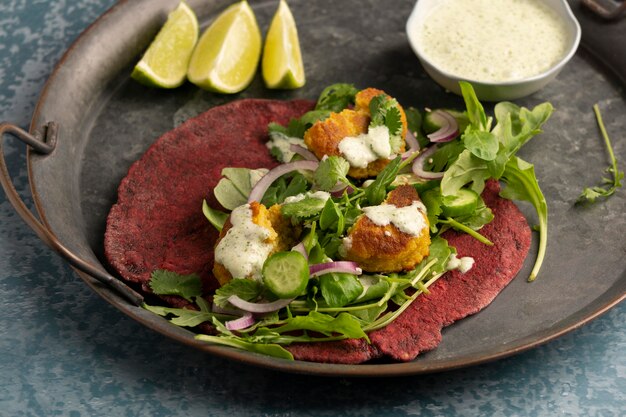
<point x="163" y="282"/>
<point x="609" y="184"/>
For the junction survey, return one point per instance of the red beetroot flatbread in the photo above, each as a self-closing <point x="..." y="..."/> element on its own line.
<point x="157" y="223"/>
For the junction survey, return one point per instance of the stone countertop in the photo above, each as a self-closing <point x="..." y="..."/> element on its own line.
<point x="65" y="351"/>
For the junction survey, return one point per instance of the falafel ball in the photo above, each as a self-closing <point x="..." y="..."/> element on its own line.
<point x="324" y="136"/>
<point x="386" y="248"/>
<point x="278" y="236"/>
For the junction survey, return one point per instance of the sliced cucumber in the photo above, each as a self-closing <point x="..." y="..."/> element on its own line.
<point x="461" y="204"/>
<point x="286" y="274"/>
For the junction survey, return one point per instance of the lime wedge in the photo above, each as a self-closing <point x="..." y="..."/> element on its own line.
<point x="228" y="52"/>
<point x="165" y="62"/>
<point x="282" y="61"/>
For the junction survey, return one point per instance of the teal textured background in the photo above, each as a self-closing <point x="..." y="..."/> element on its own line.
<point x="66" y="352"/>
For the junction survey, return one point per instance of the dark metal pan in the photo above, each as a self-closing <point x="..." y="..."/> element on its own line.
<point x="92" y="122"/>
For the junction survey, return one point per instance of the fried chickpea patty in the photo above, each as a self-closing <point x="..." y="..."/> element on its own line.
<point x="280" y="235"/>
<point x="324" y="136"/>
<point x="386" y="248"/>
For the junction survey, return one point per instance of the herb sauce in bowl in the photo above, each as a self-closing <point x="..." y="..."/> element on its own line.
<point x="506" y="48"/>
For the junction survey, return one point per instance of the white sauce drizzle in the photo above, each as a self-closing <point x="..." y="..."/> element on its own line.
<point x="282" y="142"/>
<point x="492" y="40"/>
<point x="360" y="150"/>
<point x="407" y="219"/>
<point x="463" y="264"/>
<point x="320" y="195"/>
<point x="243" y="249"/>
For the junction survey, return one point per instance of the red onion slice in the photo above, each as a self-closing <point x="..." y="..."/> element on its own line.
<point x="266" y="180"/>
<point x="449" y="127"/>
<point x="337" y="190"/>
<point x="303" y="152"/>
<point x="345" y="267"/>
<point x="408" y="154"/>
<point x="258" y="307"/>
<point x="300" y="248"/>
<point x="241" y="323"/>
<point x="418" y="165"/>
<point x="411" y="141"/>
<point x="228" y="311"/>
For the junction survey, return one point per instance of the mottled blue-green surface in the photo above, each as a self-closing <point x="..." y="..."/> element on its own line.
<point x="64" y="351"/>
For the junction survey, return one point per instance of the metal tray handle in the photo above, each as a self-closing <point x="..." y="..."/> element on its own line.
<point x="45" y="144"/>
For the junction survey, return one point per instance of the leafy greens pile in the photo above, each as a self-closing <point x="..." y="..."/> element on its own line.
<point x="340" y="305"/>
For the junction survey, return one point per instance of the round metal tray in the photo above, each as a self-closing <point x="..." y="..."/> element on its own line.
<point x="106" y="121"/>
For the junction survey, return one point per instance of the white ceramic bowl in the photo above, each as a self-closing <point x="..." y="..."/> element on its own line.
<point x="494" y="91"/>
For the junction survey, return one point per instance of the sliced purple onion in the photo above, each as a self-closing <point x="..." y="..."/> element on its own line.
<point x="411" y="141"/>
<point x="418" y="165"/>
<point x="228" y="311"/>
<point x="408" y="154"/>
<point x="242" y="322"/>
<point x="258" y="307"/>
<point x="344" y="267"/>
<point x="300" y="248"/>
<point x="449" y="127"/>
<point x="303" y="152"/>
<point x="337" y="190"/>
<point x="266" y="180"/>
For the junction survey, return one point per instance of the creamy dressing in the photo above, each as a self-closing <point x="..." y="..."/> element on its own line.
<point x="243" y="249"/>
<point x="463" y="264"/>
<point x="320" y="195"/>
<point x="360" y="150"/>
<point x="282" y="143"/>
<point x="407" y="219"/>
<point x="492" y="40"/>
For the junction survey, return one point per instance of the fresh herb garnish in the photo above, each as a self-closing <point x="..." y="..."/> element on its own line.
<point x="164" y="282"/>
<point x="331" y="170"/>
<point x="609" y="185"/>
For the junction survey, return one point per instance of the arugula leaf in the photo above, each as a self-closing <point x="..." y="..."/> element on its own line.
<point x="475" y="111"/>
<point x="432" y="200"/>
<point x="482" y="144"/>
<point x="247" y="289"/>
<point x="269" y="349"/>
<point x="467" y="169"/>
<point x="336" y="97"/>
<point x="344" y="324"/>
<point x="609" y="185"/>
<point x="182" y="317"/>
<point x="163" y="282"/>
<point x="368" y="315"/>
<point x="517" y="125"/>
<point x="376" y="192"/>
<point x="521" y="184"/>
<point x="374" y="287"/>
<point x="332" y="217"/>
<point x="330" y="171"/>
<point x="339" y="289"/>
<point x="215" y="217"/>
